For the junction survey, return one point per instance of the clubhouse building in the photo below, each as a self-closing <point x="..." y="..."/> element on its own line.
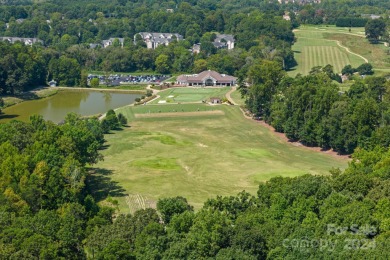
<point x="207" y="78"/>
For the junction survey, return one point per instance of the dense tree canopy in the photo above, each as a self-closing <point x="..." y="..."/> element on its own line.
<point x="68" y="29"/>
<point x="48" y="209"/>
<point x="311" y="109"/>
<point x="375" y="29"/>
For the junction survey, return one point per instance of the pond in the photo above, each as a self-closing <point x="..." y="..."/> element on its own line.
<point x="56" y="107"/>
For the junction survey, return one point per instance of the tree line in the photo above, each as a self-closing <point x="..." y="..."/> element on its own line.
<point x="67" y="61"/>
<point x="311" y="109"/>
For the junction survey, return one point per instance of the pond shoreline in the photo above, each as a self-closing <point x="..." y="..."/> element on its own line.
<point x="55" y="103"/>
<point x="44" y="92"/>
<point x="34" y="94"/>
<point x="128" y="91"/>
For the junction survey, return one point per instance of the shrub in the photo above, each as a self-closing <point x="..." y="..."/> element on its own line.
<point x="365" y="69"/>
<point x="122" y="119"/>
<point x="110" y="121"/>
<point x="105" y="125"/>
<point x="94" y="83"/>
<point x="348" y="70"/>
<point x="137" y="99"/>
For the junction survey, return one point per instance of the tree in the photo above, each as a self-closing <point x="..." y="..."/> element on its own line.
<point x="168" y="207"/>
<point x="117" y="249"/>
<point x="65" y="70"/>
<point x="375" y="28"/>
<point x="162" y="64"/>
<point x="265" y="78"/>
<point x="365" y="69"/>
<point x="348" y="70"/>
<point x="94" y="83"/>
<point x="1" y="104"/>
<point x="110" y="121"/>
<point x="122" y="119"/>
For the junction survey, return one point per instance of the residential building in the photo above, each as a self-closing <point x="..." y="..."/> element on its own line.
<point x="26" y="41"/>
<point x="224" y="41"/>
<point x="110" y="42"/>
<point x="195" y="48"/>
<point x="221" y="41"/>
<point x="286" y="16"/>
<point x="94" y="45"/>
<point x="153" y="40"/>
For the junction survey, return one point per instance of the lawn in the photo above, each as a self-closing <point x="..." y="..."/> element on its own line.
<point x="197" y="157"/>
<point x="374" y="53"/>
<point x="236" y="96"/>
<point x="183" y="95"/>
<point x="321" y="45"/>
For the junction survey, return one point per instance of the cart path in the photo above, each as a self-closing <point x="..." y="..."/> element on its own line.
<point x="228" y="96"/>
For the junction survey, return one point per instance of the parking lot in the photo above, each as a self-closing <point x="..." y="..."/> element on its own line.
<point x="120" y="79"/>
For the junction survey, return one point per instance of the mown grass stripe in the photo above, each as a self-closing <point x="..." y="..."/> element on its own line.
<point x="332" y="57"/>
<point x="340" y="60"/>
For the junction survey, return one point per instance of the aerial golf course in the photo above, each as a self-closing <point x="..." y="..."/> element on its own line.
<point x="337" y="46"/>
<point x="197" y="151"/>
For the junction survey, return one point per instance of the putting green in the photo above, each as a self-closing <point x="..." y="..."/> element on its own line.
<point x="189" y="94"/>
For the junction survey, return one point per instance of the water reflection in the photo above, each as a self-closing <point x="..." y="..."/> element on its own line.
<point x="56" y="107"/>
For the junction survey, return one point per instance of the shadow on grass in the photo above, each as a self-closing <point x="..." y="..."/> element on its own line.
<point x="100" y="185"/>
<point x="28" y="96"/>
<point x="104" y="147"/>
<point x="5" y="116"/>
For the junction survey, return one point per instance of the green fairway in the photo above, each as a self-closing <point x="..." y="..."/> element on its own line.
<point x="236" y="96"/>
<point x="189" y="94"/>
<point x="215" y="151"/>
<point x="316" y="47"/>
<point x="376" y="54"/>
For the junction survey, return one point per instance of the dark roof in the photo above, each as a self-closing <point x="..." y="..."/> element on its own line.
<point x="226" y="37"/>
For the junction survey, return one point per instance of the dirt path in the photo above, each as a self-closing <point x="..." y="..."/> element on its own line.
<point x="155" y="91"/>
<point x="342" y="46"/>
<point x="348" y="50"/>
<point x="228" y="96"/>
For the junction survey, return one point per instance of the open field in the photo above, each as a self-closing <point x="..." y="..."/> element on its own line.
<point x="374" y="53"/>
<point x="236" y="96"/>
<point x="199" y="156"/>
<point x="322" y="45"/>
<point x="188" y="94"/>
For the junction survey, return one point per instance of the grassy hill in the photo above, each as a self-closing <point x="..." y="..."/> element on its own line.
<point x="199" y="151"/>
